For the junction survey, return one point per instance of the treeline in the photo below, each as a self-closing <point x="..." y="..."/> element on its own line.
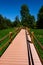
<point x="26" y="20"/>
<point x="5" y="23"/>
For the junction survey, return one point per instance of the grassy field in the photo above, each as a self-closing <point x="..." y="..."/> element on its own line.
<point x="39" y="35"/>
<point x="4" y="33"/>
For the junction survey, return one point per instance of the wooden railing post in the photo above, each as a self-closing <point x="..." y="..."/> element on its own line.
<point x="32" y="37"/>
<point x="28" y="29"/>
<point x="10" y="35"/>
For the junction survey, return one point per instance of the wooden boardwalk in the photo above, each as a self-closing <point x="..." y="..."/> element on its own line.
<point x="35" y="56"/>
<point x="18" y="52"/>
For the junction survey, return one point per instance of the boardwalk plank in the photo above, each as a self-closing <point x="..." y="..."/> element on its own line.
<point x="16" y="53"/>
<point x="34" y="53"/>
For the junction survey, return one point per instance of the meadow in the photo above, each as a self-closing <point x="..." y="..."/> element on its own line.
<point x="6" y="31"/>
<point x="39" y="34"/>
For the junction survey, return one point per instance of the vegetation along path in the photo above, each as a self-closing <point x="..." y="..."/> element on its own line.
<point x="21" y="51"/>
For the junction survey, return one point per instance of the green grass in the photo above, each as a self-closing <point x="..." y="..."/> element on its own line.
<point x="4" y="33"/>
<point x="4" y="42"/>
<point x="39" y="35"/>
<point x="40" y="51"/>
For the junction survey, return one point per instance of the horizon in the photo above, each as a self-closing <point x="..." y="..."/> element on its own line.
<point x="11" y="8"/>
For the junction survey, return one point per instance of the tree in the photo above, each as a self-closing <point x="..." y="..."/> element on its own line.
<point x="24" y="14"/>
<point x="8" y="22"/>
<point x="16" y="23"/>
<point x="2" y="26"/>
<point x="4" y="22"/>
<point x="40" y="18"/>
<point x="31" y="20"/>
<point x="26" y="18"/>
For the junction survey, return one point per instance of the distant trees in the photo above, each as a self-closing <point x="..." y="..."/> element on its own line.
<point x="24" y="15"/>
<point x="4" y="23"/>
<point x="31" y="21"/>
<point x="8" y="22"/>
<point x="26" y="18"/>
<point x="40" y="18"/>
<point x="1" y="18"/>
<point x="16" y="22"/>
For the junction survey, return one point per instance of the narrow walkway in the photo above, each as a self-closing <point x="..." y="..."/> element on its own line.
<point x="16" y="53"/>
<point x="35" y="56"/>
<point x="21" y="51"/>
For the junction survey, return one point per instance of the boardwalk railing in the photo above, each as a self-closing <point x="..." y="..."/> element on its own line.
<point x="34" y="39"/>
<point x="30" y="58"/>
<point x="33" y="36"/>
<point x="4" y="37"/>
<point x="11" y="35"/>
<point x="39" y="43"/>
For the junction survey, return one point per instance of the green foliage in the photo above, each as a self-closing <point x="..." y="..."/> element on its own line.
<point x="26" y="18"/>
<point x="4" y="33"/>
<point x="24" y="11"/>
<point x="16" y="23"/>
<point x="39" y="34"/>
<point x="4" y="23"/>
<point x="40" y="51"/>
<point x="40" y="18"/>
<point x="24" y="14"/>
<point x="31" y="21"/>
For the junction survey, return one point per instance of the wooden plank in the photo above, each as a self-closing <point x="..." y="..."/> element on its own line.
<point x="34" y="53"/>
<point x="16" y="53"/>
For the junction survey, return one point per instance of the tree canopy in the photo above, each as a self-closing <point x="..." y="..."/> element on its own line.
<point x="5" y="23"/>
<point x="16" y="22"/>
<point x="40" y="18"/>
<point x="26" y="18"/>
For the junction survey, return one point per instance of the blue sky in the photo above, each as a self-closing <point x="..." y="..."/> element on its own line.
<point x="11" y="8"/>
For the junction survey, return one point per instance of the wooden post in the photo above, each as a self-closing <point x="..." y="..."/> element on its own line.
<point x="10" y="35"/>
<point x="29" y="30"/>
<point x="32" y="37"/>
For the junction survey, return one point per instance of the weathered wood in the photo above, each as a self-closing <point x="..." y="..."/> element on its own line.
<point x="39" y="54"/>
<point x="32" y="37"/>
<point x="39" y="45"/>
<point x="10" y="35"/>
<point x="35" y="56"/>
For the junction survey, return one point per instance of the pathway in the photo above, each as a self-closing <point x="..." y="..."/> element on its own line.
<point x="35" y="58"/>
<point x="16" y="53"/>
<point x="20" y="51"/>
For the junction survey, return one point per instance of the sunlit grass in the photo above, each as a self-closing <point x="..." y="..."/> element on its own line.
<point x="39" y="35"/>
<point x="4" y="33"/>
